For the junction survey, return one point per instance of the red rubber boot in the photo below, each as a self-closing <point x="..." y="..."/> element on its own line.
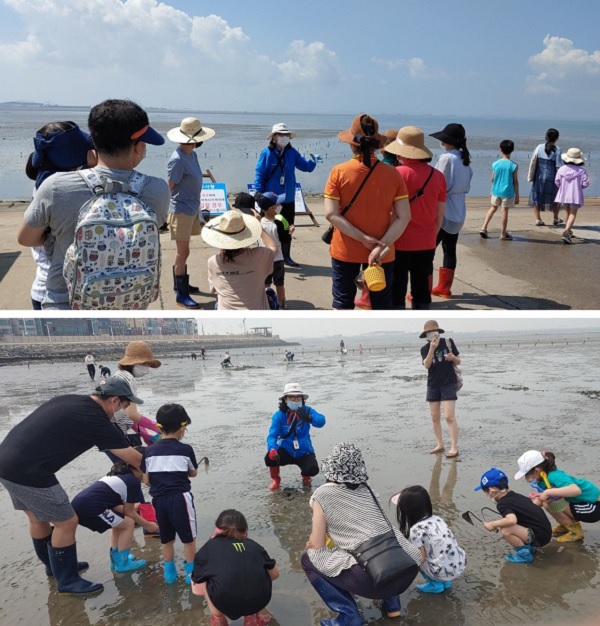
<point x="444" y="283"/>
<point x="274" y="471"/>
<point x="364" y="300"/>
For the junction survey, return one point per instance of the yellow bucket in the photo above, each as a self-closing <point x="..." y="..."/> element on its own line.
<point x="375" y="278"/>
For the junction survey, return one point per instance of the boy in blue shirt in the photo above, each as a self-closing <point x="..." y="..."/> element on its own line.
<point x="168" y="466"/>
<point x="505" y="189"/>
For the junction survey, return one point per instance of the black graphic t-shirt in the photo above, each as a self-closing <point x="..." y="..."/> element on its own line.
<point x="441" y="371"/>
<point x="235" y="573"/>
<point x="528" y="515"/>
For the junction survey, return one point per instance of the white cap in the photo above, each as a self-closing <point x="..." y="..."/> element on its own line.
<point x="527" y="461"/>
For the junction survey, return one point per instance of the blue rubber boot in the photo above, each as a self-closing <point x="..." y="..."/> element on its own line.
<point x="123" y="562"/>
<point x="522" y="555"/>
<point x="340" y="601"/>
<point x="447" y="584"/>
<point x="191" y="288"/>
<point x="391" y="607"/>
<point x="41" y="551"/>
<point x="189" y="568"/>
<point x="113" y="551"/>
<point x="170" y="572"/>
<point x="430" y="585"/>
<point x="63" y="562"/>
<point x="183" y="293"/>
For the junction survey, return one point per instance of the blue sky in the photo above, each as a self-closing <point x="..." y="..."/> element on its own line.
<point x="467" y="57"/>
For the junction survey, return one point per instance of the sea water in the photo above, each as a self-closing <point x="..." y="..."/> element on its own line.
<point x="232" y="154"/>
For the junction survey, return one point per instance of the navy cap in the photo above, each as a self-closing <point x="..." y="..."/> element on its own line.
<point x="117" y="386"/>
<point x="492" y="478"/>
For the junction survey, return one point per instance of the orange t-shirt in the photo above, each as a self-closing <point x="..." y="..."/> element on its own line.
<point x="371" y="212"/>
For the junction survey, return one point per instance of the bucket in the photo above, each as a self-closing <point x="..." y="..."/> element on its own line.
<point x="557" y="506"/>
<point x="374" y="278"/>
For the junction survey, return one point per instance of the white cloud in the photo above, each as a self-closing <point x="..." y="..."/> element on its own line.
<point x="147" y="50"/>
<point x="559" y="64"/>
<point x="417" y="68"/>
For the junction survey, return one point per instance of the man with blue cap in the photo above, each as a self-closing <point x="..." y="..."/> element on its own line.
<point x="119" y="130"/>
<point x="523" y="524"/>
<point x="56" y="433"/>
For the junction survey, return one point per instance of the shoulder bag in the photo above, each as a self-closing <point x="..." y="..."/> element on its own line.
<point x="383" y="558"/>
<point x="327" y="236"/>
<point x="457" y="370"/>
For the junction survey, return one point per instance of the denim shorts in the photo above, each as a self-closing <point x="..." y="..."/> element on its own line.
<point x="440" y="394"/>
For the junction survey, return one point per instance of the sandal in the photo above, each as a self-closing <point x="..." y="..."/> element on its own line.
<point x="483" y="234"/>
<point x="539" y="223"/>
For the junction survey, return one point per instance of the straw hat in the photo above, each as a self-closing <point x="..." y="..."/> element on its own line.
<point x="410" y="144"/>
<point x="232" y="230"/>
<point x="281" y="129"/>
<point x="139" y="353"/>
<point x="363" y="127"/>
<point x="573" y="155"/>
<point x="190" y="131"/>
<point x="390" y="135"/>
<point x="453" y="134"/>
<point x="345" y="464"/>
<point x="431" y="326"/>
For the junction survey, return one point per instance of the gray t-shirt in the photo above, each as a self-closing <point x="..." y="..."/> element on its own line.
<point x="56" y="206"/>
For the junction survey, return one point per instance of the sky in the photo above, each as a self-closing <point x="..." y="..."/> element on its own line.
<point x="515" y="58"/>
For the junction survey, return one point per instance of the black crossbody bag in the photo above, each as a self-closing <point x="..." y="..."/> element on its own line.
<point x="420" y="192"/>
<point x="327" y="236"/>
<point x="384" y="559"/>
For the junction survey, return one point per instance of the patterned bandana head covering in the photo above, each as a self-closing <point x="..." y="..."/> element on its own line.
<point x="345" y="464"/>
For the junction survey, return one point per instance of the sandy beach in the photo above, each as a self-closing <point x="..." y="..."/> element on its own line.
<point x="534" y="271"/>
<point x="513" y="399"/>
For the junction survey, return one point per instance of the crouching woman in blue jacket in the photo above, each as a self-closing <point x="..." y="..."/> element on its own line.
<point x="288" y="442"/>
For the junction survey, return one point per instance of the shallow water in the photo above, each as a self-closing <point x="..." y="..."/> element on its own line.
<point x="543" y="396"/>
<point x="232" y="154"/>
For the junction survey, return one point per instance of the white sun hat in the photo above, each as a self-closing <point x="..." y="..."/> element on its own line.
<point x="190" y="131"/>
<point x="281" y="129"/>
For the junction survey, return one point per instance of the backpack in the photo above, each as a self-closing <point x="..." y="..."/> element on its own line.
<point x="114" y="260"/>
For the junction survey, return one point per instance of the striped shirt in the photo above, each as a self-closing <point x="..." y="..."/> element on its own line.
<point x="167" y="464"/>
<point x="352" y="517"/>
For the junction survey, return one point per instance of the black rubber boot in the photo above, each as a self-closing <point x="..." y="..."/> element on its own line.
<point x="63" y="562"/>
<point x="41" y="550"/>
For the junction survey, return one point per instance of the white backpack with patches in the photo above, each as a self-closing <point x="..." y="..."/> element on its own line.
<point x="114" y="261"/>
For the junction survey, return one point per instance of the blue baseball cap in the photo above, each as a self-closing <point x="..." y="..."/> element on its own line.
<point x="268" y="199"/>
<point x="492" y="478"/>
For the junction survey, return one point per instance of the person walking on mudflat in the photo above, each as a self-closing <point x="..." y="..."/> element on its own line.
<point x="439" y="358"/>
<point x="90" y="363"/>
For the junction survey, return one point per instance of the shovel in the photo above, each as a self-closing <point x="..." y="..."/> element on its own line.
<point x="373" y="276"/>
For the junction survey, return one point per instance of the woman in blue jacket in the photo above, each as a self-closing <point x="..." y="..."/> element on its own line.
<point x="276" y="172"/>
<point x="288" y="442"/>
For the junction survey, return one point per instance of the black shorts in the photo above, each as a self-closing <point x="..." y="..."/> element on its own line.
<point x="585" y="511"/>
<point x="278" y="275"/>
<point x="440" y="394"/>
<point x="176" y="516"/>
<point x="102" y="522"/>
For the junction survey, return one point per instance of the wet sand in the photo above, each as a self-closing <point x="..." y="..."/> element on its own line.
<point x="516" y="397"/>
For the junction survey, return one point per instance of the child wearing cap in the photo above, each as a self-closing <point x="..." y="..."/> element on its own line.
<point x="168" y="465"/>
<point x="581" y="495"/>
<point x="270" y="207"/>
<point x="571" y="179"/>
<point x="523" y="525"/>
<point x="289" y="442"/>
<point x="443" y="559"/>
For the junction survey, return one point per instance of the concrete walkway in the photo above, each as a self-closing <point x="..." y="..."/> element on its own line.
<point x="534" y="271"/>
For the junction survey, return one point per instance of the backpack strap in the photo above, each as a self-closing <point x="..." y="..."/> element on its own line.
<point x="97" y="184"/>
<point x="136" y="183"/>
<point x="93" y="181"/>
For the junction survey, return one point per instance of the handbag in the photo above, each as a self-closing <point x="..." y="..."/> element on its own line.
<point x="457" y="373"/>
<point x="383" y="558"/>
<point x="327" y="236"/>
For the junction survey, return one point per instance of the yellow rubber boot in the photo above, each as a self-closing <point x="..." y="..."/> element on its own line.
<point x="559" y="530"/>
<point x="575" y="533"/>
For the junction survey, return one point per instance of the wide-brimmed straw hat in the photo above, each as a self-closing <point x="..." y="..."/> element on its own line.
<point x="573" y="155"/>
<point x="431" y="326"/>
<point x="390" y="135"/>
<point x="281" y="129"/>
<point x="409" y="143"/>
<point x="363" y="126"/>
<point x="190" y="131"/>
<point x="232" y="230"/>
<point x="139" y="353"/>
<point x="453" y="134"/>
<point x="345" y="464"/>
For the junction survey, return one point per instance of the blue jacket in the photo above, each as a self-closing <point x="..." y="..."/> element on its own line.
<point x="267" y="163"/>
<point x="280" y="427"/>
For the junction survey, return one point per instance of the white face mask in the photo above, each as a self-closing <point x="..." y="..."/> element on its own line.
<point x="282" y="141"/>
<point x="431" y="336"/>
<point x="278" y="209"/>
<point x="119" y="414"/>
<point x="140" y="370"/>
